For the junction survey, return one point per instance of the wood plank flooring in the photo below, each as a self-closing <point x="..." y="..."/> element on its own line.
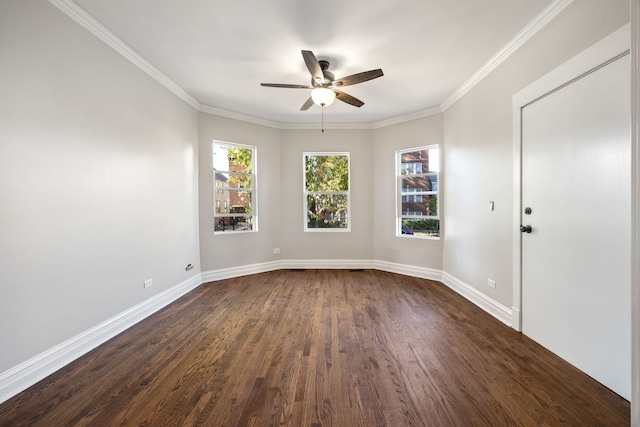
<point x="318" y="348"/>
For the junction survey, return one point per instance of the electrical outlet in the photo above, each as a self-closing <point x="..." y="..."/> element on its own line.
<point x="148" y="283"/>
<point x="276" y="250"/>
<point x="491" y="283"/>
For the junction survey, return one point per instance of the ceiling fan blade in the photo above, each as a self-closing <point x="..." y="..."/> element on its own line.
<point x="344" y="97"/>
<point x="286" y="86"/>
<point x="308" y="103"/>
<point x="358" y="78"/>
<point x="313" y="65"/>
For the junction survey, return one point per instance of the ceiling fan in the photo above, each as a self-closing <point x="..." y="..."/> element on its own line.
<point x="324" y="85"/>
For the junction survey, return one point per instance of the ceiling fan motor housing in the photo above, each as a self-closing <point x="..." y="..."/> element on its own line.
<point x="328" y="75"/>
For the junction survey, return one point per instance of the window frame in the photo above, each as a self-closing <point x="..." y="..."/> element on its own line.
<point x="224" y="205"/>
<point x="306" y="193"/>
<point x="412" y="193"/>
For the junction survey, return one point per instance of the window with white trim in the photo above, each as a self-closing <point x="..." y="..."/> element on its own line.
<point x="417" y="211"/>
<point x="327" y="198"/>
<point x="234" y="172"/>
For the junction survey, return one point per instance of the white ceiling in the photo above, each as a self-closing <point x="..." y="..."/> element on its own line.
<point x="220" y="51"/>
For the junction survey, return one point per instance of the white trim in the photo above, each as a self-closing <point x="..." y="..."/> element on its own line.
<point x="317" y="126"/>
<point x="238" y="116"/>
<point x="409" y="270"/>
<point x="88" y="22"/>
<point x="321" y="264"/>
<point x="79" y="15"/>
<point x="26" y="374"/>
<point x="516" y="318"/>
<point x="282" y="126"/>
<point x="635" y="213"/>
<point x="408" y="117"/>
<point x="517" y="219"/>
<point x="328" y="264"/>
<point x="527" y="33"/>
<point x="242" y="270"/>
<point x="610" y="47"/>
<point x="306" y="193"/>
<point x="488" y="304"/>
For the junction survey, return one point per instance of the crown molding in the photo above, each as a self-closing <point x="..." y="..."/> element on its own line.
<point x="75" y="12"/>
<point x="238" y="116"/>
<point x="408" y="117"/>
<point x="278" y="125"/>
<point x="334" y="126"/>
<point x="88" y="22"/>
<point x="526" y="34"/>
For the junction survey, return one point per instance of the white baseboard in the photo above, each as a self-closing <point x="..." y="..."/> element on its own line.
<point x="491" y="306"/>
<point x="323" y="264"/>
<point x="328" y="264"/>
<point x="243" y="270"/>
<point x="486" y="303"/>
<point x="28" y="373"/>
<point x="516" y="319"/>
<point x="409" y="270"/>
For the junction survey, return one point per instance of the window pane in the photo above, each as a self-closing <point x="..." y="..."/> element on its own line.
<point x="234" y="186"/>
<point x="237" y="223"/>
<point x="228" y="158"/>
<point x="420" y="161"/>
<point x="420" y="205"/>
<point x="240" y="201"/>
<point x="327" y="172"/>
<point x="419" y="183"/>
<point x="233" y="180"/>
<point x="421" y="227"/>
<point x="417" y="207"/>
<point x="327" y="211"/>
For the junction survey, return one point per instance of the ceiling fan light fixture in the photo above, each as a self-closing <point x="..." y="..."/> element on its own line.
<point x="323" y="96"/>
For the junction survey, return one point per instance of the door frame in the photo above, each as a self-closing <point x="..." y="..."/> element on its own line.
<point x="609" y="48"/>
<point x="635" y="213"/>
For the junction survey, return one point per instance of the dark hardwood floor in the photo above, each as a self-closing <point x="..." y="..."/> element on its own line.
<point x="318" y="348"/>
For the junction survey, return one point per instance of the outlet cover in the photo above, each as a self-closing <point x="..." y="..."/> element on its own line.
<point x="491" y="283"/>
<point x="276" y="250"/>
<point x="148" y="283"/>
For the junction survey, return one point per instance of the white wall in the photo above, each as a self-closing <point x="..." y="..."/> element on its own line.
<point x="478" y="141"/>
<point x="354" y="245"/>
<point x="98" y="181"/>
<point x="237" y="249"/>
<point x="387" y="246"/>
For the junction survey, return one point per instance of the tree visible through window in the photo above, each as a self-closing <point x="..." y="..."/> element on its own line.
<point x="326" y="191"/>
<point x="234" y="187"/>
<point x="417" y="211"/>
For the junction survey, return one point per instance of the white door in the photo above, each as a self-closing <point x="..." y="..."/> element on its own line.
<point x="576" y="285"/>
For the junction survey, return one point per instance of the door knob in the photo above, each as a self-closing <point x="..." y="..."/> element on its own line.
<point x="525" y="228"/>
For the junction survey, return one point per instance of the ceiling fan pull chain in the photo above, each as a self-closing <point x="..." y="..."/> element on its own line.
<point x="322" y="117"/>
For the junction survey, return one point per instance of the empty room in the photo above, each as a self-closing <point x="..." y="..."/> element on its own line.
<point x="291" y="213"/>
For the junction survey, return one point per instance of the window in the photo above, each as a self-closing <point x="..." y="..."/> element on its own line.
<point x="234" y="187"/>
<point x="417" y="206"/>
<point x="327" y="200"/>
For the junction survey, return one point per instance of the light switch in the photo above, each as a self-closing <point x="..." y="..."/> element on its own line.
<point x="491" y="206"/>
